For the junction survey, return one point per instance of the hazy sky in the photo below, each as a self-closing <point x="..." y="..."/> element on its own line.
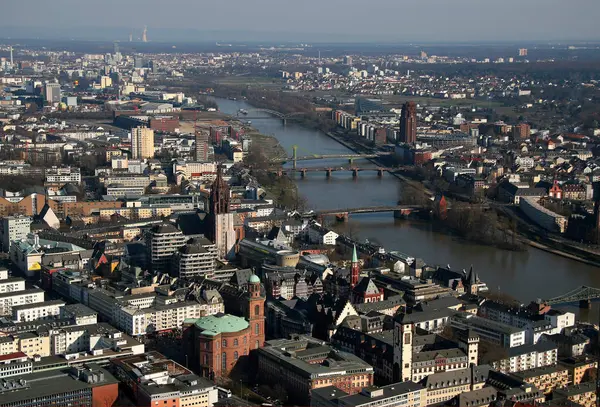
<point x="329" y="20"/>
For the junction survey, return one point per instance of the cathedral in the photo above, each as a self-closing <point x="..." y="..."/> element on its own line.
<point x="220" y="219"/>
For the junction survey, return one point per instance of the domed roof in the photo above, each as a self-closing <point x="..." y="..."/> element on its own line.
<point x="254" y="279"/>
<point x="221" y="323"/>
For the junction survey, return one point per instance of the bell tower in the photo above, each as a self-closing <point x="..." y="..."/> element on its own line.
<point x="403" y="350"/>
<point x="255" y="313"/>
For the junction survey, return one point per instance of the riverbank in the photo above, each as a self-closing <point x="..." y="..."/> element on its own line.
<point x="549" y="248"/>
<point x="282" y="190"/>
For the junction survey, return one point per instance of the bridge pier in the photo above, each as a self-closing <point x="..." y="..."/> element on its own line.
<point x="587" y="304"/>
<point x="380" y="173"/>
<point x="341" y="217"/>
<point x="303" y="172"/>
<point x="355" y="172"/>
<point x="351" y="160"/>
<point x="284" y="121"/>
<point x="328" y="173"/>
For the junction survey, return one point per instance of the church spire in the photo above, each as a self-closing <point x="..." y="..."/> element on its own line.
<point x="355" y="270"/>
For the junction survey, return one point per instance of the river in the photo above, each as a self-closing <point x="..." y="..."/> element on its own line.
<point x="525" y="275"/>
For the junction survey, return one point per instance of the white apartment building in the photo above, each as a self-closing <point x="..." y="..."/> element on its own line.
<point x="63" y="175"/>
<point x="142" y="142"/>
<point x="14" y="228"/>
<point x="36" y="311"/>
<point x="196" y="258"/>
<point x="162" y="242"/>
<point x="136" y="322"/>
<point x="498" y="333"/>
<point x="79" y="314"/>
<point x="139" y="181"/>
<point x="319" y="235"/>
<point x="12" y="284"/>
<point x="528" y="357"/>
<point x="15" y="298"/>
<point x="72" y="340"/>
<point x="15" y="364"/>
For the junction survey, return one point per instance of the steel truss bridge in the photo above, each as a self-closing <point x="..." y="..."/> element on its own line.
<point x="584" y="295"/>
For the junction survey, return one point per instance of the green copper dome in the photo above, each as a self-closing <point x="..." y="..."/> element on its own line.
<point x="254" y="279"/>
<point x="221" y="323"/>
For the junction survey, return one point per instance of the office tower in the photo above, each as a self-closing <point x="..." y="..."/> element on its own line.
<point x="408" y="123"/>
<point x="152" y="66"/>
<point x="162" y="242"/>
<point x="348" y="60"/>
<point x="220" y="226"/>
<point x="138" y="62"/>
<point x="423" y="55"/>
<point x="116" y="48"/>
<point x="52" y="92"/>
<point x="142" y="143"/>
<point x="130" y="37"/>
<point x="201" y="146"/>
<point x="197" y="258"/>
<point x="14" y="228"/>
<point x="522" y="52"/>
<point x="11" y="57"/>
<point x="145" y="34"/>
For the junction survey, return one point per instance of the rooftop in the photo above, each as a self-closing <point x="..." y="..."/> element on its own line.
<point x="219" y="323"/>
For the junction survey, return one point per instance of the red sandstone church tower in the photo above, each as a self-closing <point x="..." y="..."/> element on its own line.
<point x="355" y="269"/>
<point x="255" y="313"/>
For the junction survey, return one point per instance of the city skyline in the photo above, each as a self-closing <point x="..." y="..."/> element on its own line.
<point x="265" y="20"/>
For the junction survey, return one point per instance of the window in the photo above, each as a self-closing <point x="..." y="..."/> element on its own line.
<point x="224" y="343"/>
<point x="256" y="345"/>
<point x="224" y="361"/>
<point x="245" y="340"/>
<point x="235" y="342"/>
<point x="257" y="310"/>
<point x="257" y="329"/>
<point x="235" y="355"/>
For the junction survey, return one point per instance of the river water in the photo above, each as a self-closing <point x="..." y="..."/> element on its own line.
<point x="525" y="275"/>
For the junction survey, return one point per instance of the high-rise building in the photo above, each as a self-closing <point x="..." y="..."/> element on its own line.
<point x="52" y="92"/>
<point x="116" y="48"/>
<point x="14" y="228"/>
<point x="348" y="60"/>
<point x="221" y="229"/>
<point x="145" y="34"/>
<point x="153" y="66"/>
<point x="521" y="131"/>
<point x="202" y="145"/>
<point x="408" y="123"/>
<point x="142" y="142"/>
<point x="197" y="258"/>
<point x="162" y="241"/>
<point x="138" y="61"/>
<point x="522" y="52"/>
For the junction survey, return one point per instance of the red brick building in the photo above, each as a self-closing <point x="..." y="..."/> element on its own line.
<point x="218" y="342"/>
<point x="164" y="124"/>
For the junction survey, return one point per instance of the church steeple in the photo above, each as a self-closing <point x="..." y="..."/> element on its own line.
<point x="219" y="194"/>
<point x="355" y="270"/>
